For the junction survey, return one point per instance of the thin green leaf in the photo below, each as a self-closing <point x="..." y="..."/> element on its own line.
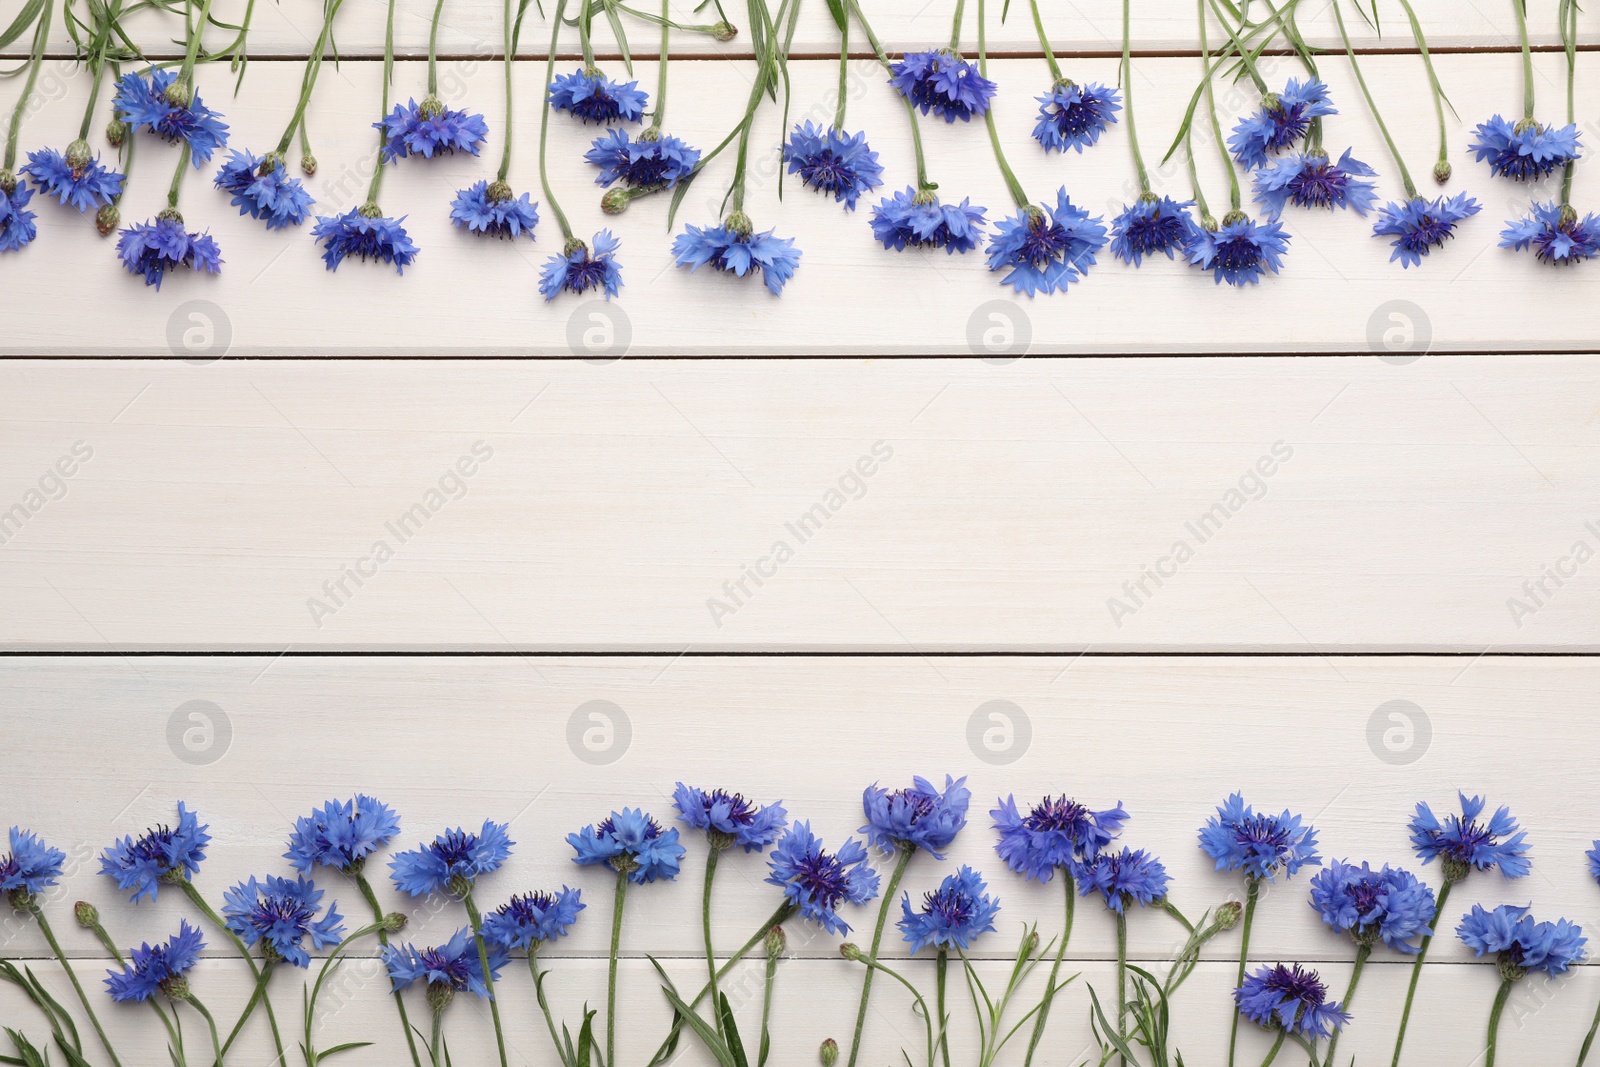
<point x="21" y="24"/>
<point x="704" y="1030"/>
<point x="730" y="1030"/>
<point x="1110" y="1031"/>
<point x="346" y="1047"/>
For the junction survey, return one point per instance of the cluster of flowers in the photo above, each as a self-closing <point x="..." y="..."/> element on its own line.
<point x="279" y="919"/>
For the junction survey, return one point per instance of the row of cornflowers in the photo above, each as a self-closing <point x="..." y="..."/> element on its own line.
<point x="1043" y="248"/>
<point x="280" y="920"/>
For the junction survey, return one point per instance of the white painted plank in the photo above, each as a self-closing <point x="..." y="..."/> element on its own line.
<point x="290" y="28"/>
<point x="623" y="502"/>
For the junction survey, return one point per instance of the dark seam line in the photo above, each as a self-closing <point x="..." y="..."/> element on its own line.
<point x="803" y="358"/>
<point x="989" y="653"/>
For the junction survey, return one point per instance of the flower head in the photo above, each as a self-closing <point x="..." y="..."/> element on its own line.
<point x="728" y="818"/>
<point x="263" y="189"/>
<point x="365" y="233"/>
<point x="818" y="882"/>
<point x="1419" y="226"/>
<point x="735" y="248"/>
<point x="1389" y="904"/>
<point x="1282" y="119"/>
<point x="162" y="854"/>
<point x="1521" y="944"/>
<point x="455" y="856"/>
<point x="281" y="915"/>
<point x="1057" y="832"/>
<point x="1556" y="233"/>
<point x="593" y="97"/>
<point x="1593" y="856"/>
<point x="533" y="918"/>
<point x="1524" y="150"/>
<point x="453" y="965"/>
<point x="492" y="210"/>
<point x="1048" y="249"/>
<point x="1074" y="116"/>
<point x="944" y="82"/>
<point x="1241" y="251"/>
<point x="159" y="106"/>
<point x="1289" y="998"/>
<point x="632" y="842"/>
<point x="154" y="248"/>
<point x="833" y="161"/>
<point x="1462" y="843"/>
<point x="918" y="220"/>
<point x="1310" y="179"/>
<point x="158" y="968"/>
<point x="16" y="221"/>
<point x="31" y="866"/>
<point x="1152" y="225"/>
<point x="76" y="178"/>
<point x="342" y="834"/>
<point x="1260" y="845"/>
<point x="1131" y="876"/>
<point x="428" y="128"/>
<point x="923" y="816"/>
<point x="952" y="916"/>
<point x="578" y="270"/>
<point x="646" y="163"/>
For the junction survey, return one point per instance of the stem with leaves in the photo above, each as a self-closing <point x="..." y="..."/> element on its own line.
<point x="1416" y="968"/>
<point x="1252" y="893"/>
<point x="31" y="904"/>
<point x="41" y="34"/>
<point x="1018" y="195"/>
<point x="1372" y="105"/>
<point x="383" y="939"/>
<point x="260" y="973"/>
<point x="906" y="850"/>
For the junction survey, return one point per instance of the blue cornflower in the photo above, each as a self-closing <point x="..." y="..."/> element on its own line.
<point x="76" y="178"/>
<point x="1131" y="876"/>
<point x="653" y="160"/>
<point x="920" y="817"/>
<point x="1310" y="179"/>
<point x="151" y="105"/>
<point x="1046" y="250"/>
<point x="1260" y="845"/>
<point x="1556" y="232"/>
<point x="912" y="219"/>
<point x="1281" y="121"/>
<point x="428" y="128"/>
<point x="593" y="97"/>
<point x="532" y="918"/>
<point x="1289" y="998"/>
<point x="730" y="819"/>
<point x="1074" y="116"/>
<point x="492" y="210"/>
<point x="630" y="841"/>
<point x="162" y="854"/>
<point x="1152" y="225"/>
<point x="1526" y="150"/>
<point x="944" y="82"/>
<point x="1593" y="856"/>
<point x="342" y="834"/>
<point x="364" y="232"/>
<point x="833" y="161"/>
<point x="281" y="914"/>
<point x="578" y="270"/>
<point x="1461" y="843"/>
<point x="817" y="881"/>
<point x="157" y="968"/>
<point x="31" y="866"/>
<point x="952" y="916"/>
<point x="1521" y="944"/>
<point x="263" y="189"/>
<point x="1241" y="251"/>
<point x="735" y="248"/>
<point x="16" y="221"/>
<point x="455" y="856"/>
<point x="154" y="248"/>
<point x="453" y="966"/>
<point x="1058" y="833"/>
<point x="1389" y="904"/>
<point x="1418" y="226"/>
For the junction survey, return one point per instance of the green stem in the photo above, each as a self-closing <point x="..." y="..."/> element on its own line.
<point x="1272" y="1053"/>
<point x="1416" y="972"/>
<point x="766" y="1009"/>
<point x="308" y="80"/>
<point x="322" y="976"/>
<point x="1122" y="980"/>
<point x="1569" y="39"/>
<point x="211" y="1024"/>
<point x="41" y="34"/>
<point x="488" y="976"/>
<point x="61" y="957"/>
<point x="1500" y="999"/>
<point x="1362" y="952"/>
<point x="1018" y="195"/>
<point x="1588" y="1040"/>
<point x="436" y="1042"/>
<point x="544" y="1003"/>
<point x="1521" y="8"/>
<point x="1055" y="968"/>
<point x="844" y="75"/>
<point x="178" y="175"/>
<point x="586" y="46"/>
<point x="872" y="965"/>
<point x="1127" y="97"/>
<point x="1236" y="44"/>
<point x="433" y="49"/>
<point x="238" y="946"/>
<point x="96" y="60"/>
<point x="1233" y="196"/>
<point x="611" y="973"/>
<point x="705" y="930"/>
<point x="1433" y="80"/>
<point x="383" y="939"/>
<point x="544" y="127"/>
<point x="1044" y="44"/>
<point x="1252" y="892"/>
<point x="906" y="851"/>
<point x="1372" y="105"/>
<point x="256" y="997"/>
<point x="192" y="54"/>
<point x="955" y="25"/>
<point x="388" y="78"/>
<point x="176" y="1038"/>
<point x="511" y="52"/>
<point x="660" y="113"/>
<point x="911" y="111"/>
<point x="941" y="966"/>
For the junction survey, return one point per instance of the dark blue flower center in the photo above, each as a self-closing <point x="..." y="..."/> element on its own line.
<point x="1044" y="243"/>
<point x="1318" y="185"/>
<point x="740" y="811"/>
<point x="1057" y="814"/>
<point x="1467" y="839"/>
<point x="1155" y="232"/>
<point x="1243" y="254"/>
<point x="823" y="878"/>
<point x="1289" y="124"/>
<point x="1427" y="231"/>
<point x="1077" y="118"/>
<point x="646" y="170"/>
<point x="528" y="907"/>
<point x="582" y="274"/>
<point x="457" y="847"/>
<point x="652" y="829"/>
<point x="825" y="170"/>
<point x="1296" y="984"/>
<point x="919" y="802"/>
<point x="272" y="910"/>
<point x="155" y="846"/>
<point x="1364" y="895"/>
<point x="9" y="867"/>
<point x="456" y="971"/>
<point x="952" y="907"/>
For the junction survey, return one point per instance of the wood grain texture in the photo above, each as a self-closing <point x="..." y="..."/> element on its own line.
<point x="450" y="741"/>
<point x="1339" y="291"/>
<point x="622" y="504"/>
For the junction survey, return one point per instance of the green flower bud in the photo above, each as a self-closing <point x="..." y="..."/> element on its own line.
<point x="440" y="994"/>
<point x="116" y="132"/>
<point x="180" y="93"/>
<point x="499" y="191"/>
<point x="776" y="942"/>
<point x="78" y="156"/>
<point x="615" y="202"/>
<point x="829" y="1052"/>
<point x="849" y="951"/>
<point x="87" y="914"/>
<point x="1441" y="171"/>
<point x="738" y="223"/>
<point x="308" y="164"/>
<point x="724" y="31"/>
<point x="107" y="219"/>
<point x="394" y="922"/>
<point x="1229" y="914"/>
<point x="431" y="107"/>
